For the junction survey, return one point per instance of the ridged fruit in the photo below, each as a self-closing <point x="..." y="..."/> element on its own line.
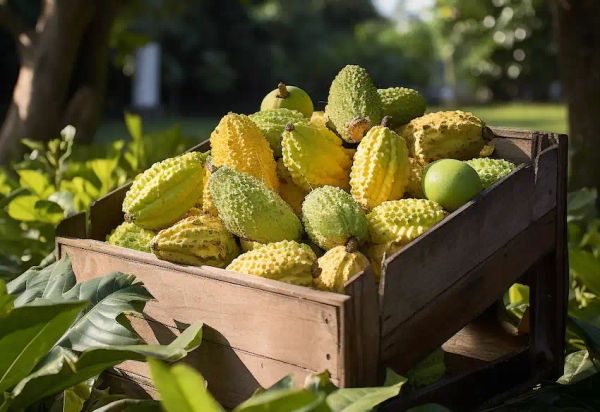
<point x="401" y="221"/>
<point x="196" y="240"/>
<point x="377" y="253"/>
<point x="402" y="104"/>
<point x="239" y="144"/>
<point x="491" y="170"/>
<point x="314" y="156"/>
<point x="338" y="265"/>
<point x="207" y="204"/>
<point x="381" y="168"/>
<point x="428" y="371"/>
<point x="288" y="97"/>
<point x="162" y="194"/>
<point x="332" y="217"/>
<point x="353" y="105"/>
<point x="441" y="135"/>
<point x="272" y="122"/>
<point x="319" y="119"/>
<point x="414" y="188"/>
<point x="131" y="236"/>
<point x="288" y="190"/>
<point x="250" y="210"/>
<point x="286" y="261"/>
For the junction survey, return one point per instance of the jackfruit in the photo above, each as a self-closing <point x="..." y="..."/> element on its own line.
<point x="250" y="210"/>
<point x="288" y="190"/>
<point x="331" y="218"/>
<point x="131" y="236"/>
<point x="491" y="170"/>
<point x="414" y="188"/>
<point x="338" y="265"/>
<point x="353" y="105"/>
<point x="272" y="122"/>
<point x="288" y="97"/>
<point x="286" y="261"/>
<point x="402" y="104"/>
<point x="428" y="371"/>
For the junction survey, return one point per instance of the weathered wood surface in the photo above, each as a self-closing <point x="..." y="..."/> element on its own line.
<point x="74" y="226"/>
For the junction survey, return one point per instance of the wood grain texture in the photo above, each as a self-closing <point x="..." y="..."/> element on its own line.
<point x="73" y="226"/>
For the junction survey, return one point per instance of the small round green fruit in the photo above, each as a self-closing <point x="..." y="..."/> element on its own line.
<point x="451" y="183"/>
<point x="288" y="97"/>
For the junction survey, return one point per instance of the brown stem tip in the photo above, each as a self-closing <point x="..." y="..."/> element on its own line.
<point x="283" y="91"/>
<point x="352" y="245"/>
<point x="289" y="127"/>
<point x="385" y="122"/>
<point x="316" y="270"/>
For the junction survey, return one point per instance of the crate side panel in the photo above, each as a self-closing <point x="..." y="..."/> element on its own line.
<point x="106" y="213"/>
<point x="546" y="180"/>
<point x="516" y="150"/>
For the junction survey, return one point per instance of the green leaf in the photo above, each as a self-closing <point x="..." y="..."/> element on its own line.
<point x="578" y="366"/>
<point x="581" y="205"/>
<point x="23" y="208"/>
<point x="319" y="383"/>
<point x="37" y="182"/>
<point x="49" y="212"/>
<point x="104" y="170"/>
<point x="6" y="300"/>
<point x="591" y="335"/>
<point x="134" y="125"/>
<point x="362" y="399"/>
<point x="28" y="333"/>
<point x="293" y="400"/>
<point x="182" y="389"/>
<point x="585" y="267"/>
<point x="72" y="399"/>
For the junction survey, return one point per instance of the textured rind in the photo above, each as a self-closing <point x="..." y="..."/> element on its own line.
<point x="207" y="204"/>
<point x="162" y="194"/>
<point x="381" y="168"/>
<point x="352" y="97"/>
<point x="491" y="170"/>
<point x="402" y="104"/>
<point x="239" y="144"/>
<point x="131" y="236"/>
<point x="196" y="240"/>
<point x="377" y="253"/>
<point x="428" y="371"/>
<point x="401" y="221"/>
<point x="248" y="245"/>
<point x="444" y="135"/>
<point x="314" y="157"/>
<point x="337" y="267"/>
<point x="250" y="210"/>
<point x="318" y="118"/>
<point x="331" y="217"/>
<point x="414" y="188"/>
<point x="288" y="190"/>
<point x="286" y="261"/>
<point x="272" y="122"/>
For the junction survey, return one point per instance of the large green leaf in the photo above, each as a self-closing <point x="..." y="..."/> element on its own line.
<point x="72" y="399"/>
<point x="23" y="208"/>
<point x="586" y="267"/>
<point x="578" y="366"/>
<point x="293" y="400"/>
<point x="6" y="300"/>
<point x="362" y="399"/>
<point x="37" y="182"/>
<point x="28" y="333"/>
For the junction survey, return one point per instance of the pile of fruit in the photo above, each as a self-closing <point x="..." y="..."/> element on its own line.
<point x="309" y="197"/>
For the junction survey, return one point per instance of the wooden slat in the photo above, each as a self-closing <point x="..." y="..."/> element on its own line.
<point x="72" y="226"/>
<point x="546" y="181"/>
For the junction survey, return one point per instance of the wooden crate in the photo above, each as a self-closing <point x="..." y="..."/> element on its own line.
<point x="439" y="289"/>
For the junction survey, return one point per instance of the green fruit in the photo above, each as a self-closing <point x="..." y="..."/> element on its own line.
<point x="250" y="210"/>
<point x="332" y="217"/>
<point x="491" y="170"/>
<point x="272" y="122"/>
<point x="131" y="236"/>
<point x="451" y="183"/>
<point x="402" y="104"/>
<point x="353" y="105"/>
<point x="288" y="97"/>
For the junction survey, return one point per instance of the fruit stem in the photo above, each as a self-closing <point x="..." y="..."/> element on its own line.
<point x="316" y="270"/>
<point x="283" y="91"/>
<point x="385" y="122"/>
<point x="289" y="127"/>
<point x="352" y="245"/>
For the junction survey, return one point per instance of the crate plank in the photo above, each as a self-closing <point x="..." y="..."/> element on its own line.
<point x="546" y="182"/>
<point x="106" y="213"/>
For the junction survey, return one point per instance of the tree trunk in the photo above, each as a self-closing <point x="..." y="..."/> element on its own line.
<point x="578" y="29"/>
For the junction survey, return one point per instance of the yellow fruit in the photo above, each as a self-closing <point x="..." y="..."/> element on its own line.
<point x="248" y="245"/>
<point x="288" y="190"/>
<point x="319" y="119"/>
<point x="131" y="236"/>
<point x="207" y="204"/>
<point x="491" y="170"/>
<point x="338" y="265"/>
<point x="288" y="97"/>
<point x="414" y="188"/>
<point x="272" y="122"/>
<point x="377" y="254"/>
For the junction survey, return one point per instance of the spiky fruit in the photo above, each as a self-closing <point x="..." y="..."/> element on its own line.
<point x="381" y="169"/>
<point x="401" y="221"/>
<point x="414" y="188"/>
<point x="428" y="371"/>
<point x="353" y="105"/>
<point x="378" y="253"/>
<point x="207" y="204"/>
<point x="250" y="210"/>
<point x="196" y="240"/>
<point x="451" y="183"/>
<point x="131" y="236"/>
<point x="288" y="97"/>
<point x="314" y="157"/>
<point x="288" y="190"/>
<point x="338" y="265"/>
<point x="441" y="135"/>
<point x="286" y="261"/>
<point x="491" y="170"/>
<point x="402" y="104"/>
<point x="162" y="194"/>
<point x="332" y="217"/>
<point x="239" y="144"/>
<point x="272" y="122"/>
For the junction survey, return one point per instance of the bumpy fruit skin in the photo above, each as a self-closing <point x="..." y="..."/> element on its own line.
<point x="441" y="135"/>
<point x="248" y="245"/>
<point x="314" y="157"/>
<point x="288" y="190"/>
<point x="332" y="217"/>
<point x="239" y="144"/>
<point x="353" y="105"/>
<point x="491" y="170"/>
<point x="162" y="194"/>
<point x="272" y="122"/>
<point x="377" y="254"/>
<point x="250" y="210"/>
<point x="207" y="204"/>
<point x="286" y="261"/>
<point x="381" y="168"/>
<point x="337" y="266"/>
<point x="414" y="188"/>
<point x="428" y="371"/>
<point x="288" y="97"/>
<point x="131" y="236"/>
<point x="401" y="221"/>
<point x="319" y="119"/>
<point x="402" y="104"/>
<point x="196" y="240"/>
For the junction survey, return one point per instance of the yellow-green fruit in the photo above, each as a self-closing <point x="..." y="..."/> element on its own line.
<point x="491" y="170"/>
<point x="332" y="217"/>
<point x="338" y="265"/>
<point x="414" y="188"/>
<point x="131" y="236"/>
<point x="272" y="122"/>
<point x="248" y="245"/>
<point x="288" y="97"/>
<point x="207" y="204"/>
<point x="402" y="104"/>
<point x="250" y="210"/>
<point x="196" y="240"/>
<point x="319" y="119"/>
<point x="444" y="135"/>
<point x="239" y="144"/>
<point x="286" y="261"/>
<point x="353" y="105"/>
<point x="381" y="168"/>
<point x="487" y="150"/>
<point x="401" y="221"/>
<point x="378" y="253"/>
<point x="428" y="371"/>
<point x="314" y="157"/>
<point x="162" y="194"/>
<point x="288" y="190"/>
